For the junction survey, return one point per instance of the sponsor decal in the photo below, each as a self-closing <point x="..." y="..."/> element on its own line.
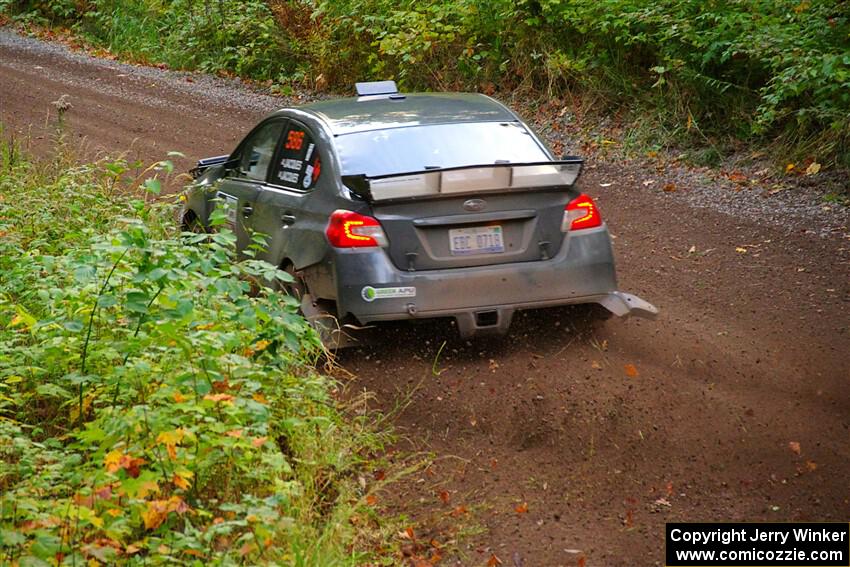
<point x="293" y="164"/>
<point x="288" y="177"/>
<point x="308" y="177"/>
<point x="370" y="294"/>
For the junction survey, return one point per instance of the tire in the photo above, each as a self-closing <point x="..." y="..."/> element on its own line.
<point x="297" y="288"/>
<point x="191" y="223"/>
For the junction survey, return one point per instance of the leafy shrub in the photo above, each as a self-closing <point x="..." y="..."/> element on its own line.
<point x="153" y="407"/>
<point x="752" y="70"/>
<point x="747" y="68"/>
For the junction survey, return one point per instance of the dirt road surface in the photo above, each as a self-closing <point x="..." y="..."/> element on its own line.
<point x="733" y="405"/>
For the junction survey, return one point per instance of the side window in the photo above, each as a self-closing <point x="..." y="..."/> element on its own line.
<point x="299" y="166"/>
<point x="258" y="151"/>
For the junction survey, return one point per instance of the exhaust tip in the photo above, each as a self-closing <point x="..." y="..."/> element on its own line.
<point x="487" y="318"/>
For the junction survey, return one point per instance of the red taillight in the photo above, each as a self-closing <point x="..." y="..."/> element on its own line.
<point x="581" y="213"/>
<point x="353" y="230"/>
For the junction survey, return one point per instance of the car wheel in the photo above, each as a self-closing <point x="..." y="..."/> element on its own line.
<point x="321" y="313"/>
<point x="297" y="288"/>
<point x="191" y="223"/>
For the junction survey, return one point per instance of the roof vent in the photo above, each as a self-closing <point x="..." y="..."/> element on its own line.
<point x="376" y="88"/>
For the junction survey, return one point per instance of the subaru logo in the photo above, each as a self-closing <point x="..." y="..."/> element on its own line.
<point x="474" y="205"/>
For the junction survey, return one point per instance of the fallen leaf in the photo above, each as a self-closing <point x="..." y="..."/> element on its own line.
<point x="790" y="167"/>
<point x="813" y="168"/>
<point x="582" y="561"/>
<point x="459" y="511"/>
<point x="521" y="508"/>
<point x="595" y="365"/>
<point x="740" y="250"/>
<point x="631" y="370"/>
<point x="737" y="177"/>
<point x="811" y="465"/>
<point x="493" y="561"/>
<point x="794" y="446"/>
<point x="669" y="188"/>
<point x="235" y="433"/>
<point x="371" y="499"/>
<point x="445" y="496"/>
<point x="226" y="398"/>
<point x="259" y="441"/>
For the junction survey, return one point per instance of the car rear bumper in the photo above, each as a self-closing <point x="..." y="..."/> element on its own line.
<point x="482" y="299"/>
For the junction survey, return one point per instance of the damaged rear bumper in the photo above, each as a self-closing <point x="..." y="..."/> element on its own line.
<point x="484" y="299"/>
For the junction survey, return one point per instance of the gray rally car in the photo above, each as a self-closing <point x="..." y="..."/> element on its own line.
<point x="394" y="206"/>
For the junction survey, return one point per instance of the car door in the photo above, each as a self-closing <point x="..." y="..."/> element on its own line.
<point x="239" y="190"/>
<point x="289" y="209"/>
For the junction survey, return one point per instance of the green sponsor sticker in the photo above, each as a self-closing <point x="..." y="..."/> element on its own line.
<point x="370" y="294"/>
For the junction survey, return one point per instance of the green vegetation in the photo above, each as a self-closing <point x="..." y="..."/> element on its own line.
<point x="710" y="74"/>
<point x="155" y="408"/>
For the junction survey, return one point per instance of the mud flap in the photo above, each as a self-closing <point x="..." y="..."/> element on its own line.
<point x="332" y="335"/>
<point x="624" y="304"/>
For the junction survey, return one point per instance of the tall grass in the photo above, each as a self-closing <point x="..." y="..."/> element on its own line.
<point x="154" y="409"/>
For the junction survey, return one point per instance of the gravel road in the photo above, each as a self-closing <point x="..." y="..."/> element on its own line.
<point x="605" y="431"/>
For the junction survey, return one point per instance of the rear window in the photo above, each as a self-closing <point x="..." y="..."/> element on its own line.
<point x="415" y="148"/>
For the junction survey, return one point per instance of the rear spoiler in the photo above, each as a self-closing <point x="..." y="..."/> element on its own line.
<point x="206" y="163"/>
<point x="435" y="183"/>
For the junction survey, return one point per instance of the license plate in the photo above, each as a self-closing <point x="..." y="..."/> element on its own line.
<point x="477" y="240"/>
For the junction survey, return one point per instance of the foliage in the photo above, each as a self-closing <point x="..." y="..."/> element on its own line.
<point x="748" y="68"/>
<point x="154" y="407"/>
<point x="692" y="71"/>
<point x="224" y="35"/>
